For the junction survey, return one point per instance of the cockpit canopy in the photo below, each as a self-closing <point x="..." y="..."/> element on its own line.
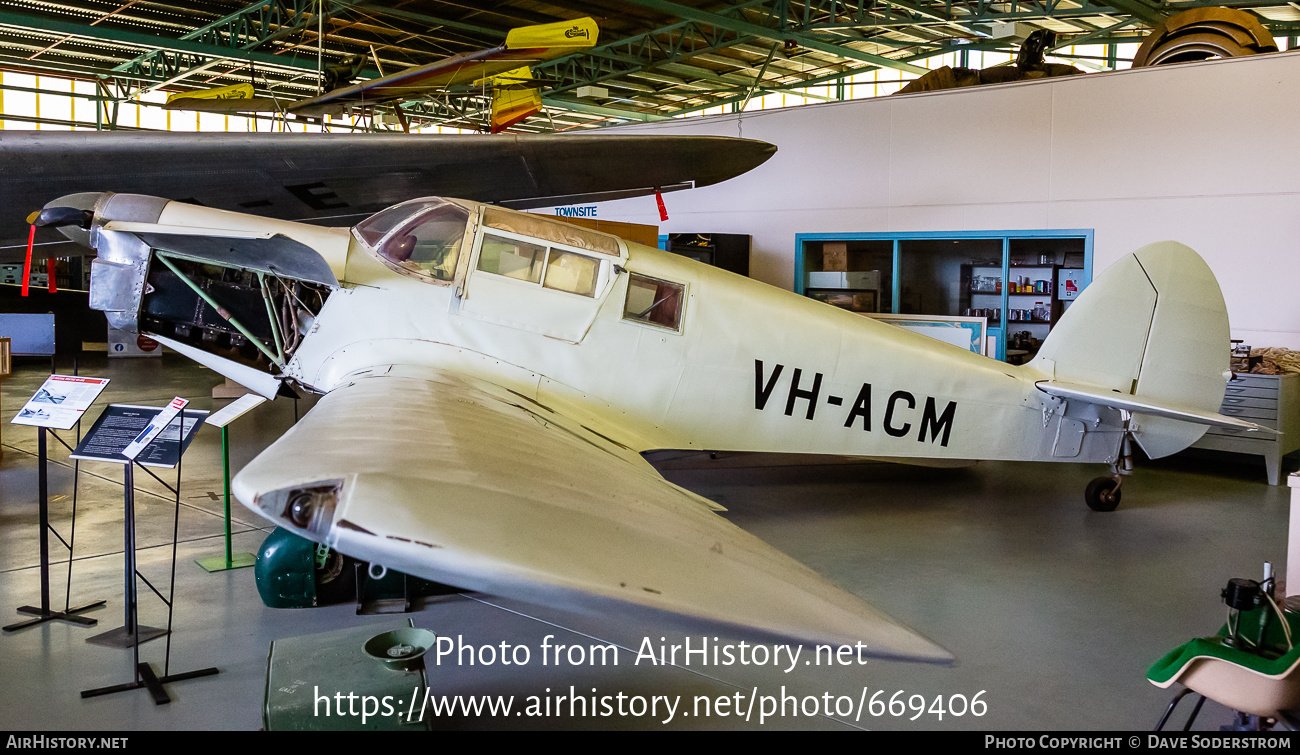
<point x="421" y="237"/>
<point x="424" y="238"/>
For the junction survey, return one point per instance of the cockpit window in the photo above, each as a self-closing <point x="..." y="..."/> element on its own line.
<point x="373" y="229"/>
<point x="418" y="237"/>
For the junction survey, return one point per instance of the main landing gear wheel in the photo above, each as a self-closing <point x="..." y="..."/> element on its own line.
<point x="1102" y="494"/>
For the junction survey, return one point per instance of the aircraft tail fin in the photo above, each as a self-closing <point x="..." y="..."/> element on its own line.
<point x="514" y="97"/>
<point x="1151" y="332"/>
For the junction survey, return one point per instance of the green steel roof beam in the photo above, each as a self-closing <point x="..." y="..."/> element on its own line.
<point x="830" y="78"/>
<point x="870" y="18"/>
<point x="1093" y="35"/>
<point x="34" y="22"/>
<point x="747" y="28"/>
<point x="424" y="18"/>
<point x="602" y="110"/>
<point x="242" y="31"/>
<point x="724" y="77"/>
<point x="1139" y="9"/>
<point x="861" y="14"/>
<point x="674" y="42"/>
<point x="255" y="24"/>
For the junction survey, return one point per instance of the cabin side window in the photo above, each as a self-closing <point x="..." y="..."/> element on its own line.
<point x="512" y="258"/>
<point x="566" y="271"/>
<point x="654" y="302"/>
<point x="553" y="268"/>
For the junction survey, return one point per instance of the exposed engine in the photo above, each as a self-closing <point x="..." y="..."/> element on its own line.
<point x="248" y="317"/>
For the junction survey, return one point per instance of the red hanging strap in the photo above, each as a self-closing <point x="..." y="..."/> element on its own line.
<point x="27" y="268"/>
<point x="50" y="265"/>
<point x="663" y="211"/>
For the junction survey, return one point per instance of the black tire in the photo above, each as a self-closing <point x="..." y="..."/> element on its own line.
<point x="336" y="581"/>
<point x="1102" y="494"/>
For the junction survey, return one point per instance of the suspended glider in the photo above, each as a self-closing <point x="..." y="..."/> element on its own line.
<point x="503" y="71"/>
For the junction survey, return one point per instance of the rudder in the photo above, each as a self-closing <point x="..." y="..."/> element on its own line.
<point x="1154" y="325"/>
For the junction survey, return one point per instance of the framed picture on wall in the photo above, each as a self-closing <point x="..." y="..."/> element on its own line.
<point x="863" y="302"/>
<point x="968" y="333"/>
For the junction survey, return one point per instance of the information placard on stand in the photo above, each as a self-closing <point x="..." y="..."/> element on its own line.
<point x="120" y="424"/>
<point x="58" y="404"/>
<point x="114" y="432"/>
<point x="145" y="436"/>
<point x="222" y="419"/>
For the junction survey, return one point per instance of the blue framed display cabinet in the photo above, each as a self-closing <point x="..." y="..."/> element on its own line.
<point x="1021" y="281"/>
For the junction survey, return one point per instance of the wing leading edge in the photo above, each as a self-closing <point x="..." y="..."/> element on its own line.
<point x="464" y="483"/>
<point x="341" y="178"/>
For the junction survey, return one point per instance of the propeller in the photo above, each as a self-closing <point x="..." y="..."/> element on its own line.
<point x="60" y="217"/>
<point x="52" y="217"/>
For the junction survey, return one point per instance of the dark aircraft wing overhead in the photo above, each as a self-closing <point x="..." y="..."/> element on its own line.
<point x="340" y="178"/>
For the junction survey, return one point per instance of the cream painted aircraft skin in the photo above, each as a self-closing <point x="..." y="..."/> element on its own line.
<point x="484" y="430"/>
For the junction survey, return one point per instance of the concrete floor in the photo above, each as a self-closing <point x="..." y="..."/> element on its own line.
<point x="1053" y="611"/>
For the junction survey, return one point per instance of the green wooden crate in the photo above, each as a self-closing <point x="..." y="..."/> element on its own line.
<point x="300" y="670"/>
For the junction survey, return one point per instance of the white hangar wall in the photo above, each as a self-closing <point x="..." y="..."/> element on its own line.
<point x="1207" y="154"/>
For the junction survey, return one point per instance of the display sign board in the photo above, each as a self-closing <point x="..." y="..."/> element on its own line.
<point x="30" y="334"/>
<point x="120" y="424"/>
<point x="235" y="410"/>
<point x="60" y="401"/>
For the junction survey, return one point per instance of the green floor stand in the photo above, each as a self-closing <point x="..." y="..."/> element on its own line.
<point x="222" y="563"/>
<point x="229" y="560"/>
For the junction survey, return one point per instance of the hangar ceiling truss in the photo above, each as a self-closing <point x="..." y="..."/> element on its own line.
<point x="656" y="58"/>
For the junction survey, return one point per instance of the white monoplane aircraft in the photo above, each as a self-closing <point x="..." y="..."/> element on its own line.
<point x="491" y="377"/>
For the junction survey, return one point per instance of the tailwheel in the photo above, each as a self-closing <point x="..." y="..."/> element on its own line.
<point x="1102" y="494"/>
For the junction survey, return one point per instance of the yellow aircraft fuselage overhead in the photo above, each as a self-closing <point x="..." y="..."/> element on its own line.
<point x="490" y="378"/>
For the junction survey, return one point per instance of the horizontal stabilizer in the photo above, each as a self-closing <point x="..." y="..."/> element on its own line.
<point x="243" y="91"/>
<point x="1141" y="404"/>
<point x="581" y="32"/>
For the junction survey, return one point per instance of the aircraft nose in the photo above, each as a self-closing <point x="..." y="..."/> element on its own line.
<point x="70" y="214"/>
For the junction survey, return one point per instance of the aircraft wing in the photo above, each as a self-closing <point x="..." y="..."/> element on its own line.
<point x="341" y="178"/>
<point x="461" y="482"/>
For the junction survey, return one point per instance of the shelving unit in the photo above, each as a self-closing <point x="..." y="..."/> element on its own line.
<point x="1018" y="311"/>
<point x="852" y="276"/>
<point x="929" y="273"/>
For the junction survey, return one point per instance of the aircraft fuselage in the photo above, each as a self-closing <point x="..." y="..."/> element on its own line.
<point x="750" y="368"/>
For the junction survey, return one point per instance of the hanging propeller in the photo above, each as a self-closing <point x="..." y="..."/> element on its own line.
<point x="60" y="217"/>
<point x="52" y="217"/>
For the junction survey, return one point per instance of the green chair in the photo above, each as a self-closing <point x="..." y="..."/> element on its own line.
<point x="1256" y="676"/>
